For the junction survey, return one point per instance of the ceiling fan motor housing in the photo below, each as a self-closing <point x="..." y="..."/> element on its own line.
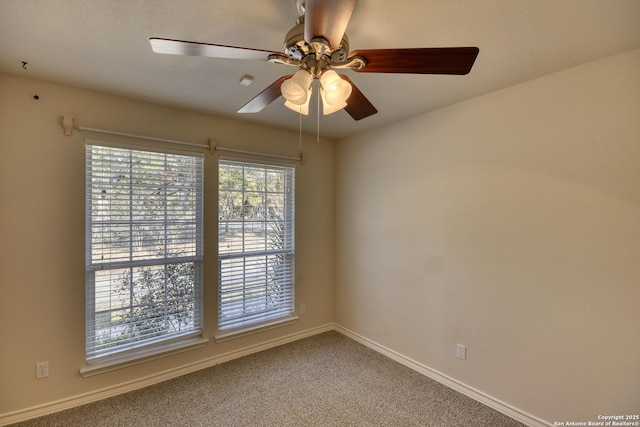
<point x="297" y="48"/>
<point x="294" y="44"/>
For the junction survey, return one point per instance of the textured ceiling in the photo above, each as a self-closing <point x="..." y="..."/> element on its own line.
<point x="103" y="45"/>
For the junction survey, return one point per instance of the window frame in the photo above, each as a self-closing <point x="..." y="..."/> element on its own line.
<point x="232" y="329"/>
<point x="166" y="343"/>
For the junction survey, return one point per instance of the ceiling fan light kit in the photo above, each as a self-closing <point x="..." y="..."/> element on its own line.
<point x="302" y="108"/>
<point x="318" y="45"/>
<point x="296" y="89"/>
<point x="334" y="91"/>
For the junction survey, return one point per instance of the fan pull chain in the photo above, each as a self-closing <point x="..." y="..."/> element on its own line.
<point x="300" y="131"/>
<point x="318" y="113"/>
<point x="301" y="155"/>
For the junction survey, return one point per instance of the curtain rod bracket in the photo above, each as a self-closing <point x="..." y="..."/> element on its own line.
<point x="212" y="146"/>
<point x="67" y="124"/>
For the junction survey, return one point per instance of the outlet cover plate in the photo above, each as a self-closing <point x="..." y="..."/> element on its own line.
<point x="461" y="351"/>
<point x="42" y="370"/>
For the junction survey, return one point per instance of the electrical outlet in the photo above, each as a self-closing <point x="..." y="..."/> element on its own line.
<point x="303" y="309"/>
<point x="461" y="351"/>
<point x="42" y="370"/>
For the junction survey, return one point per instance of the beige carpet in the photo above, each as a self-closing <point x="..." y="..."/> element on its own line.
<point x="325" y="380"/>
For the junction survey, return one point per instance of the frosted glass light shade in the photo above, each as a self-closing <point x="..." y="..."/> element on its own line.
<point x="296" y="89"/>
<point x="302" y="109"/>
<point x="335" y="92"/>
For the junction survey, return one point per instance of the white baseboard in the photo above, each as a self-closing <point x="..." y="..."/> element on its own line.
<point x="82" y="399"/>
<point x="456" y="385"/>
<point x="93" y="396"/>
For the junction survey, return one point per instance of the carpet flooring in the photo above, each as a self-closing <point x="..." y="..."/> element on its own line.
<point x="324" y="380"/>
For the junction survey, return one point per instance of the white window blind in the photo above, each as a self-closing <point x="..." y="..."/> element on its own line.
<point x="143" y="248"/>
<point x="255" y="243"/>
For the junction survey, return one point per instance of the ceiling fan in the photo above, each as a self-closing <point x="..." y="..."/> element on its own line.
<point x="318" y="45"/>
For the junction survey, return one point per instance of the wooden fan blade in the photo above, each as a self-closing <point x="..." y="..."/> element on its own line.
<point x="182" y="47"/>
<point x="264" y="98"/>
<point x="439" y="60"/>
<point x="358" y="106"/>
<point x="327" y="19"/>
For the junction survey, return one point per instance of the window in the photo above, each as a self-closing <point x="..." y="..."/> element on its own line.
<point x="255" y="243"/>
<point x="143" y="249"/>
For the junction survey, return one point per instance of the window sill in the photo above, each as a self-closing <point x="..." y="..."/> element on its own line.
<point x="254" y="329"/>
<point x="143" y="355"/>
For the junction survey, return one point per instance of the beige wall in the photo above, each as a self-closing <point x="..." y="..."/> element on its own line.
<point x="42" y="232"/>
<point x="509" y="223"/>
